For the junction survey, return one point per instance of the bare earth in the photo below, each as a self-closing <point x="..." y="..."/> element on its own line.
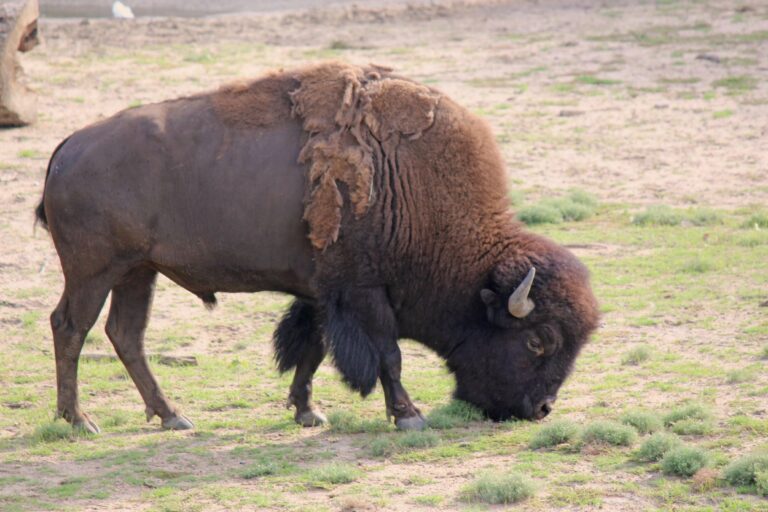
<point x="621" y="99"/>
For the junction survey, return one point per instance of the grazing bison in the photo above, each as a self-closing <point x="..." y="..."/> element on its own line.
<point x="378" y="203"/>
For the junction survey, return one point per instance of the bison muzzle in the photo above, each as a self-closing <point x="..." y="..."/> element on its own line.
<point x="378" y="203"/>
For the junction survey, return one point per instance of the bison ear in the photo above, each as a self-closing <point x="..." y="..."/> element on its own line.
<point x="490" y="298"/>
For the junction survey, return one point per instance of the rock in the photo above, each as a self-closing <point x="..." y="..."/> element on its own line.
<point x="18" y="33"/>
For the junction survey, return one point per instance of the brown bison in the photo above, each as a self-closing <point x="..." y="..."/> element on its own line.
<point x="379" y="203"/>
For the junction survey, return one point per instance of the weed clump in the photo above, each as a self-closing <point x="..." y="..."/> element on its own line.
<point x="608" y="432"/>
<point x="644" y="422"/>
<point x="498" y="489"/>
<point x="557" y="432"/>
<point x="655" y="447"/>
<point x="687" y="412"/>
<point x="751" y="470"/>
<point x="636" y="356"/>
<point x="684" y="461"/>
<point x="456" y="414"/>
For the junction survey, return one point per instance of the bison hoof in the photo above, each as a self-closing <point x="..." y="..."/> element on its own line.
<point x="86" y="424"/>
<point x="178" y="422"/>
<point x="411" y="423"/>
<point x="310" y="418"/>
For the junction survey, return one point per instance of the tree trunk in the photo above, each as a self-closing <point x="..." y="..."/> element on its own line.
<point x="18" y="33"/>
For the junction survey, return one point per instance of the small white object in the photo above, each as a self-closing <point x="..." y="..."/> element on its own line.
<point x="121" y="11"/>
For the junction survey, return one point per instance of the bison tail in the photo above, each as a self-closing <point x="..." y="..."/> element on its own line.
<point x="354" y="352"/>
<point x="40" y="216"/>
<point x="296" y="330"/>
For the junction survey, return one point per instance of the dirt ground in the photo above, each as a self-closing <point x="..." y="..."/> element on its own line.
<point x="637" y="103"/>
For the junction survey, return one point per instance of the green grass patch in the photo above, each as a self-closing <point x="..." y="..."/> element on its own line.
<point x="645" y="422"/>
<point x="655" y="447"/>
<point x="332" y="474"/>
<point x="757" y="220"/>
<point x="259" y="469"/>
<point x="722" y="114"/>
<point x="636" y="356"/>
<point x="663" y="215"/>
<point x="576" y="206"/>
<point x="557" y="432"/>
<point x="736" y="84"/>
<point x="608" y="433"/>
<point x="498" y="488"/>
<point x="456" y="414"/>
<point x="684" y="461"/>
<point x="32" y="154"/>
<point x="56" y="431"/>
<point x="347" y="423"/>
<point x="594" y="80"/>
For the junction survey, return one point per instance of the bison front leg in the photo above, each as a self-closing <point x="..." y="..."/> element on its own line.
<point x="361" y="329"/>
<point x="299" y="343"/>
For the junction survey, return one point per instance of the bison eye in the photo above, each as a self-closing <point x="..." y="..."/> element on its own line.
<point x="535" y="346"/>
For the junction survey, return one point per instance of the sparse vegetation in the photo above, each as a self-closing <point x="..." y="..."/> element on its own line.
<point x="692" y="411"/>
<point x="498" y="488"/>
<point x="555" y="433"/>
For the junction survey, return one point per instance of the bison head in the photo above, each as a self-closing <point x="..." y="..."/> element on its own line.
<point x="539" y="312"/>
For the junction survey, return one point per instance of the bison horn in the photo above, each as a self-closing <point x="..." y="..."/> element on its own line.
<point x="519" y="304"/>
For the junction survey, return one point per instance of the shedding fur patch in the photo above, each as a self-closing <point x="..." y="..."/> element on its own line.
<point x="344" y="108"/>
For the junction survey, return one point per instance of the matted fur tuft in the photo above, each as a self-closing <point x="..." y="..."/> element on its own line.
<point x="296" y="330"/>
<point x="342" y="106"/>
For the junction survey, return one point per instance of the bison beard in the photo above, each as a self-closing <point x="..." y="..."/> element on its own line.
<point x="378" y="202"/>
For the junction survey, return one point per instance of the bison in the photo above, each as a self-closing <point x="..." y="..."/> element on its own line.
<point x="378" y="203"/>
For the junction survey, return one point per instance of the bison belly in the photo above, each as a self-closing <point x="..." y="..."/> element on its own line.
<point x="215" y="207"/>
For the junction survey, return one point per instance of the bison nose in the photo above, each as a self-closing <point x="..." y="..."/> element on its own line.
<point x="544" y="407"/>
